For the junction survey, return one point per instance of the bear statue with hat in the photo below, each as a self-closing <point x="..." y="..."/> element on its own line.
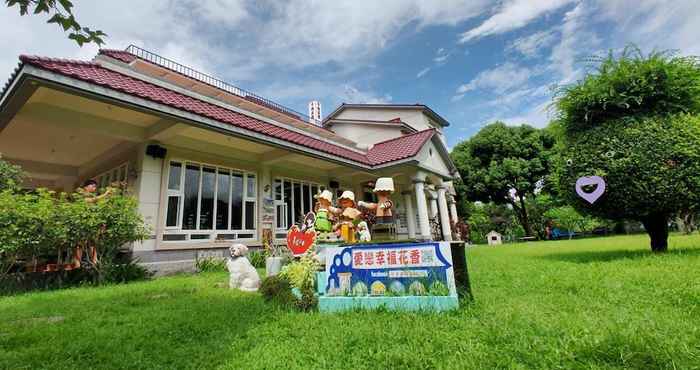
<point x="383" y="188"/>
<point x="348" y="217"/>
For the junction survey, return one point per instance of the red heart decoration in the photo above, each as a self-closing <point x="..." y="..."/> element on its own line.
<point x="298" y="241"/>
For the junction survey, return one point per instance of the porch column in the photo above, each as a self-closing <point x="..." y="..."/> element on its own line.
<point x="453" y="208"/>
<point x="422" y="206"/>
<point x="410" y="214"/>
<point x="444" y="213"/>
<point x="433" y="202"/>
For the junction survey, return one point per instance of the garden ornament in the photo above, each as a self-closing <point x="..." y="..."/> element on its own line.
<point x="299" y="241"/>
<point x="242" y="274"/>
<point x="363" y="230"/>
<point x="325" y="210"/>
<point x="349" y="214"/>
<point x="587" y="181"/>
<point x="309" y="222"/>
<point x="383" y="189"/>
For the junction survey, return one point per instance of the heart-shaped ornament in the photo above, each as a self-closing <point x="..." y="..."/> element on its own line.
<point x="588" y="181"/>
<point x="299" y="241"/>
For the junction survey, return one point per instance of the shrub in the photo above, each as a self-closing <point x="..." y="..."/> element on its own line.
<point x="307" y="302"/>
<point x="302" y="273"/>
<point x="257" y="259"/>
<point x="278" y="290"/>
<point x="41" y="223"/>
<point x="210" y="264"/>
<point x="125" y="272"/>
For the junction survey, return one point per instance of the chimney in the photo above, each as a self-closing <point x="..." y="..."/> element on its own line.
<point x="315" y="112"/>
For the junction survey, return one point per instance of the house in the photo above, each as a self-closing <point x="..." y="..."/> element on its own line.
<point x="494" y="238"/>
<point x="211" y="162"/>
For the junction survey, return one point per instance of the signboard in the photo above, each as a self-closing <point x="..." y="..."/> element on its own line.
<point x="398" y="269"/>
<point x="299" y="241"/>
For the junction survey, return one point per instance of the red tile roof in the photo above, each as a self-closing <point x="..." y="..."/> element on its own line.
<point x="399" y="148"/>
<point x="384" y="152"/>
<point x="121" y="55"/>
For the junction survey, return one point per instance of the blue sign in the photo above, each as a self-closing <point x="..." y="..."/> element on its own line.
<point x="399" y="269"/>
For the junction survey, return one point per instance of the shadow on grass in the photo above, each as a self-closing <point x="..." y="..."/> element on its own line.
<point x="615" y="255"/>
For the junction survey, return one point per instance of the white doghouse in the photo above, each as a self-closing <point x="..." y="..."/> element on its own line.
<point x="242" y="274"/>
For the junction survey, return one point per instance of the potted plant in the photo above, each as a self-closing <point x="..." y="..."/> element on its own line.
<point x="275" y="256"/>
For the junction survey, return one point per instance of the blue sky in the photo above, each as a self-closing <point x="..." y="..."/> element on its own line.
<point x="472" y="61"/>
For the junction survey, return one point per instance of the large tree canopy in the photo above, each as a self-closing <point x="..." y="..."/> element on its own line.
<point x="635" y="123"/>
<point x="504" y="164"/>
<point x="61" y="13"/>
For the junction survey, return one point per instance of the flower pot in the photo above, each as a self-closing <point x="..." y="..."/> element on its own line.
<point x="273" y="265"/>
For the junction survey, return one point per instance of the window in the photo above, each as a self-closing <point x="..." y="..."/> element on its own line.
<point x="117" y="174"/>
<point x="208" y="202"/>
<point x="293" y="200"/>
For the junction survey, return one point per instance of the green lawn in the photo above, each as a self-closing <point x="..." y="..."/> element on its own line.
<point x="593" y="303"/>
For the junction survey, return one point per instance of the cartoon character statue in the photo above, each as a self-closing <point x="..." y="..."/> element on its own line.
<point x="324" y="212"/>
<point x="363" y="230"/>
<point x="348" y="216"/>
<point x="383" y="188"/>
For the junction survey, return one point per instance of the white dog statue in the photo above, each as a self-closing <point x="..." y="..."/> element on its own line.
<point x="242" y="275"/>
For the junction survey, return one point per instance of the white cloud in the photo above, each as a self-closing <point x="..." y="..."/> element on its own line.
<point x="422" y="72"/>
<point x="303" y="33"/>
<point x="512" y="15"/>
<point x="538" y="116"/>
<point x="530" y="46"/>
<point x="499" y="79"/>
<point x="351" y="94"/>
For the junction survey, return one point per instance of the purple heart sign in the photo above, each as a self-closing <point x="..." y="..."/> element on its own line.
<point x="590" y="180"/>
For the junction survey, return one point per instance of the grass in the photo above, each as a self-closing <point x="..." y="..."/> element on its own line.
<point x="593" y="303"/>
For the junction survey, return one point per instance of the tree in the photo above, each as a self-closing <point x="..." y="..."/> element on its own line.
<point x="504" y="164"/>
<point x="11" y="176"/>
<point x="61" y="12"/>
<point x="568" y="218"/>
<point x="634" y="121"/>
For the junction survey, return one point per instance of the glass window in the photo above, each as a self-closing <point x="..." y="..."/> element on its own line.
<point x="189" y="213"/>
<point x="278" y="189"/>
<point x="209" y="199"/>
<point x="237" y="201"/>
<point x="250" y="191"/>
<point x="306" y="198"/>
<point x="174" y="177"/>
<point x="223" y="191"/>
<point x="250" y="215"/>
<point x="288" y="202"/>
<point x="173" y="211"/>
<point x="206" y="210"/>
<point x="297" y="203"/>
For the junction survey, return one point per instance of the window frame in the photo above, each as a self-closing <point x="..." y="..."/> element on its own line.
<point x="212" y="233"/>
<point x="282" y="201"/>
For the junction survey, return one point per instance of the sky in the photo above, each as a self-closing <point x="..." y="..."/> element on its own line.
<point x="472" y="61"/>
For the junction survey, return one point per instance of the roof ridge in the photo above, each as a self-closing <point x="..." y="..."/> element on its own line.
<point x="405" y="136"/>
<point x="36" y="58"/>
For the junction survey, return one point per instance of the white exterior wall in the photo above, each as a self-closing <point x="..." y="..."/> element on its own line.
<point x="365" y="134"/>
<point x="147" y="189"/>
<point x="414" y="118"/>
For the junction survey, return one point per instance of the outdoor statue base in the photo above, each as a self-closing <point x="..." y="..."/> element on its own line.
<point x="401" y="276"/>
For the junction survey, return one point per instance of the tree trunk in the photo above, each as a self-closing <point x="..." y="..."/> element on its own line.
<point x="657" y="228"/>
<point x="524" y="218"/>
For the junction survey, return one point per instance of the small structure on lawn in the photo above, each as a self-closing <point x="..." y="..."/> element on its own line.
<point x="494" y="238"/>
